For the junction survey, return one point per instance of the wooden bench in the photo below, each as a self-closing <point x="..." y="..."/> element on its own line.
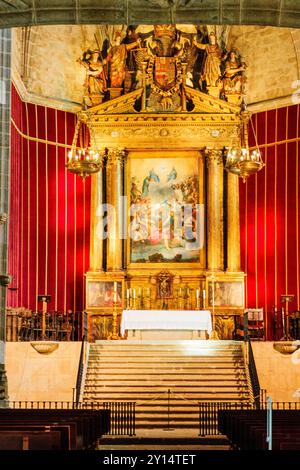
<point x="247" y="429"/>
<point x="78" y="429"/>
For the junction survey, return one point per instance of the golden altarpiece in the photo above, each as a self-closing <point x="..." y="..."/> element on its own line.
<point x="164" y="129"/>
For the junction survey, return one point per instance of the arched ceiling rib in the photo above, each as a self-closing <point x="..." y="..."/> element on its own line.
<point x="15" y="13"/>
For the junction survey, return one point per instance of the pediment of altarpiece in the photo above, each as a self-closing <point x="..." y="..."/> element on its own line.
<point x="211" y="123"/>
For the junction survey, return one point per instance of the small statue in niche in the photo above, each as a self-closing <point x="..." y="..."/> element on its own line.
<point x="164" y="288"/>
<point x="96" y="79"/>
<point x="211" y="73"/>
<point x="233" y="77"/>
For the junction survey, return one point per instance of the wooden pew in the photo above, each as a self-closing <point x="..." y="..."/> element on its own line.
<point x="79" y="429"/>
<point x="246" y="429"/>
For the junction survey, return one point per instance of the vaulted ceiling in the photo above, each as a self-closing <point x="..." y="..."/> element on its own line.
<point x="254" y="12"/>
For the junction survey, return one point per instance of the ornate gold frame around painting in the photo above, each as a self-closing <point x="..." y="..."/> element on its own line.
<point x="172" y="154"/>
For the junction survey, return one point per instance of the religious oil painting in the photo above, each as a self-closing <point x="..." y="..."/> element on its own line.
<point x="165" y="214"/>
<point x="102" y="294"/>
<point x="225" y="294"/>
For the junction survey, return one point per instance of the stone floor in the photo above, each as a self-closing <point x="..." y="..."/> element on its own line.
<point x="160" y="439"/>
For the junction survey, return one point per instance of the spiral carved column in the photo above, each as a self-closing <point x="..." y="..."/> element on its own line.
<point x="215" y="250"/>
<point x="114" y="192"/>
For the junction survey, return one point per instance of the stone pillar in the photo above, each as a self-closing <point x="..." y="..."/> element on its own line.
<point x="97" y="226"/>
<point x="215" y="246"/>
<point x="114" y="190"/>
<point x="233" y="223"/>
<point x="5" y="60"/>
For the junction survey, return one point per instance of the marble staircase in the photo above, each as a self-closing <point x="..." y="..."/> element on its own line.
<point x="155" y="374"/>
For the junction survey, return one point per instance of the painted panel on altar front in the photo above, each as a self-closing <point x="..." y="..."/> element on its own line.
<point x="166" y="219"/>
<point x="229" y="294"/>
<point x="101" y="294"/>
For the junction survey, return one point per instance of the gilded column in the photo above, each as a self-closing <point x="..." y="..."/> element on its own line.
<point x="114" y="192"/>
<point x="233" y="223"/>
<point x="215" y="250"/>
<point x="97" y="226"/>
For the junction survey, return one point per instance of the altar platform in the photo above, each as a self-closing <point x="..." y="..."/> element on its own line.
<point x="166" y="324"/>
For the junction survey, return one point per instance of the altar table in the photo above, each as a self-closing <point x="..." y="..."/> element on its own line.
<point x="182" y="324"/>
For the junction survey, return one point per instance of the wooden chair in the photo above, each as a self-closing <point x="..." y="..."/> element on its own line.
<point x="256" y="326"/>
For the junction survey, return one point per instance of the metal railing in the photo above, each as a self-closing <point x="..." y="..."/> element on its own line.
<point x="80" y="371"/>
<point x="253" y="373"/>
<point x="208" y="415"/>
<point x="122" y="414"/>
<point x="208" y="412"/>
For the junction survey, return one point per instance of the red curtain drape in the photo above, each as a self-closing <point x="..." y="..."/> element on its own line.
<point x="49" y="210"/>
<point x="269" y="210"/>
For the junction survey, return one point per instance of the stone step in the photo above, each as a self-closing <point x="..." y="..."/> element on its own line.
<point x="171" y="360"/>
<point x="194" y="370"/>
<point x="144" y="396"/>
<point x="191" y="387"/>
<point x="205" y="343"/>
<point x="167" y="351"/>
<point x="155" y="378"/>
<point x="180" y="376"/>
<point x="160" y="349"/>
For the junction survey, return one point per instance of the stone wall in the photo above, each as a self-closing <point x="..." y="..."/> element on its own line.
<point x="42" y="377"/>
<point x="46" y="72"/>
<point x="278" y="374"/>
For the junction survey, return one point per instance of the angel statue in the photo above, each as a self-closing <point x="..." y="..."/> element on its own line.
<point x="95" y="82"/>
<point x="116" y="58"/>
<point x="211" y="70"/>
<point x="233" y="77"/>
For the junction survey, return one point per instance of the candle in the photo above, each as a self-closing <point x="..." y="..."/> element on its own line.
<point x="203" y="294"/>
<point x="115" y="297"/>
<point x="134" y="293"/>
<point x="115" y="286"/>
<point x="127" y="293"/>
<point x="197" y="294"/>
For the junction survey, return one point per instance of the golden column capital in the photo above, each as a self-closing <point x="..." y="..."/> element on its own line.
<point x="116" y="157"/>
<point x="214" y="156"/>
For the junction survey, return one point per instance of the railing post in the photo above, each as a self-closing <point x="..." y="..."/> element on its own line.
<point x="269" y="423"/>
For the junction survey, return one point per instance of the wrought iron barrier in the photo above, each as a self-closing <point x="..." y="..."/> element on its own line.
<point x="80" y="371"/>
<point x="253" y="373"/>
<point x="208" y="412"/>
<point x="122" y="414"/>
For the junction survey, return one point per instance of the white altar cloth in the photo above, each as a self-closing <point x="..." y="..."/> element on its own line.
<point x="166" y="320"/>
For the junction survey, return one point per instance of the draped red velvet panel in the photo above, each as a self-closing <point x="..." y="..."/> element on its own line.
<point x="269" y="210"/>
<point x="49" y="210"/>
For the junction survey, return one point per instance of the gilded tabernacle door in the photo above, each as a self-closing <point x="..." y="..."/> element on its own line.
<point x="166" y="223"/>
